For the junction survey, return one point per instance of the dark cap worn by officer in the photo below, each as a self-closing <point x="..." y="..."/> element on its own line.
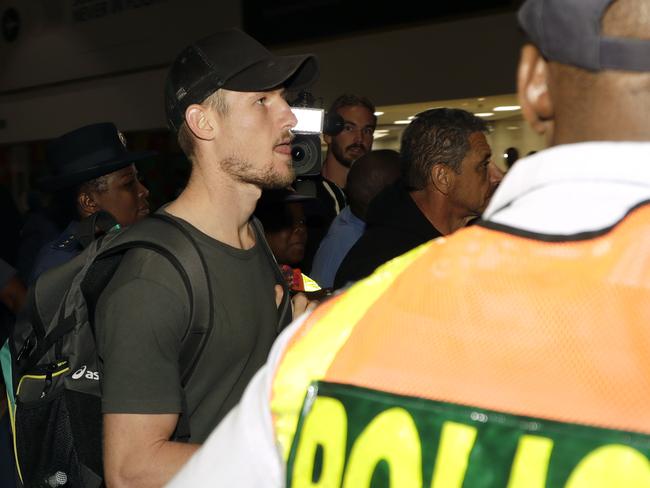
<point x="91" y="171"/>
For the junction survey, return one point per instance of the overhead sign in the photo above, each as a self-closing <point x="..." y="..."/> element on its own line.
<point x="84" y="10"/>
<point x="10" y="25"/>
<point x="296" y="20"/>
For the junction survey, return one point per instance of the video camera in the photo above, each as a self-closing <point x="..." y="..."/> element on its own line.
<point x="305" y="150"/>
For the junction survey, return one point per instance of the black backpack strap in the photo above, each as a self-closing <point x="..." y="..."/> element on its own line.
<point x="284" y="310"/>
<point x="197" y="333"/>
<point x="194" y="341"/>
<point x="98" y="223"/>
<point x="22" y="358"/>
<point x="166" y="236"/>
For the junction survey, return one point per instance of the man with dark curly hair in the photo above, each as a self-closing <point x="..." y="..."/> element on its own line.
<point x="357" y="128"/>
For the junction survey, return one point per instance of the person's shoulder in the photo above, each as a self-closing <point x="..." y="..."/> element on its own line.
<point x="329" y="184"/>
<point x="347" y="219"/>
<point x="146" y="280"/>
<point x="325" y="187"/>
<point x="6" y="272"/>
<point x="56" y="252"/>
<point x="67" y="242"/>
<point x="343" y="234"/>
<point x="375" y="246"/>
<point x="148" y="264"/>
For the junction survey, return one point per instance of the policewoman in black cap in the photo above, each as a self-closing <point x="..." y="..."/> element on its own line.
<point x="91" y="171"/>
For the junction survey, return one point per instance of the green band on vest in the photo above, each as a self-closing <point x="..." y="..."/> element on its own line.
<point x="355" y="437"/>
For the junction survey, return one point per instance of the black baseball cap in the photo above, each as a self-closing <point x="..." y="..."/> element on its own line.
<point x="233" y="60"/>
<point x="570" y="32"/>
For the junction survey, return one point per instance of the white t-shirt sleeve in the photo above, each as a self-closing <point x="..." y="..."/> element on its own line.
<point x="242" y="450"/>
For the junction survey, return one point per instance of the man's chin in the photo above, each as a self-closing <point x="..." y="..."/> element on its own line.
<point x="279" y="181"/>
<point x="347" y="162"/>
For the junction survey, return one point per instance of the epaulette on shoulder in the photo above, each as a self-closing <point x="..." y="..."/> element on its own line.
<point x="65" y="242"/>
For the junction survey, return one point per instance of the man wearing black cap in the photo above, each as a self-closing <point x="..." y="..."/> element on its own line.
<point x="225" y="98"/>
<point x="512" y="353"/>
<point x="92" y="171"/>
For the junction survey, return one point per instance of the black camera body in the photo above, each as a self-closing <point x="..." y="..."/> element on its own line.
<point x="306" y="148"/>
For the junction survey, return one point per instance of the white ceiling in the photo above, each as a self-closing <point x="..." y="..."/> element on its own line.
<point x="387" y="126"/>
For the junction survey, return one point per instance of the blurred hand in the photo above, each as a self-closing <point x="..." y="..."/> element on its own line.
<point x="279" y="293"/>
<point x="299" y="303"/>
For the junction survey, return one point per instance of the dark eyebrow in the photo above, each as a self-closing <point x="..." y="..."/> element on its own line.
<point x="257" y="94"/>
<point x="349" y="122"/>
<point x="130" y="174"/>
<point x="486" y="157"/>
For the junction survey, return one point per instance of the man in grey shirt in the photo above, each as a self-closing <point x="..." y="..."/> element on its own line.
<point x="225" y="98"/>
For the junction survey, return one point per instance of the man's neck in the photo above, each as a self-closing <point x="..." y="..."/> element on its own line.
<point x="334" y="171"/>
<point x="218" y="206"/>
<point x="435" y="207"/>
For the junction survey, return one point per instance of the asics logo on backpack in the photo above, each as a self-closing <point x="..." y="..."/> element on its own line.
<point x="83" y="372"/>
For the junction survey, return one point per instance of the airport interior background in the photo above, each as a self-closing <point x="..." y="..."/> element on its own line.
<point x="67" y="63"/>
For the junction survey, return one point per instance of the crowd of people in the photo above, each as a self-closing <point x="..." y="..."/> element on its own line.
<point x="472" y="329"/>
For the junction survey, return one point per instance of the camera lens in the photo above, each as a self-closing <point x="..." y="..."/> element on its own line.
<point x="297" y="153"/>
<point x="306" y="155"/>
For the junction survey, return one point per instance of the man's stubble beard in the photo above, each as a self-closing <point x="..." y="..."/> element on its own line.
<point x="268" y="179"/>
<point x="340" y="155"/>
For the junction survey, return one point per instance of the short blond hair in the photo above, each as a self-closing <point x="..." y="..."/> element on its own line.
<point x="217" y="102"/>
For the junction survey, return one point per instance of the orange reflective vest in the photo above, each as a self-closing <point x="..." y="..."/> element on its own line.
<point x="483" y="359"/>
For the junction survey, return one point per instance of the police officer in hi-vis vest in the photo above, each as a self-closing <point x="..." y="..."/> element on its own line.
<point x="514" y="353"/>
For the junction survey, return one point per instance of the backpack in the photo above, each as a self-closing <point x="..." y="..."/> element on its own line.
<point x="55" y="371"/>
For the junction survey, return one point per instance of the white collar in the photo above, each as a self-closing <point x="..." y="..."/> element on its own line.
<point x="573" y="188"/>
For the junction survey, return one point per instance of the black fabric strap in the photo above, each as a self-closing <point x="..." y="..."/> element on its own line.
<point x="621" y="53"/>
<point x="195" y="338"/>
<point x="99" y="222"/>
<point x="30" y="346"/>
<point x="197" y="335"/>
<point x="155" y="234"/>
<point x="284" y="315"/>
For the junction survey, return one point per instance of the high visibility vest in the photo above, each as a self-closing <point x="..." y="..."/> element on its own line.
<point x="484" y="359"/>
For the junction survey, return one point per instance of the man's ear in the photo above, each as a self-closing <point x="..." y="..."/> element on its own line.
<point x="201" y="122"/>
<point x="442" y="177"/>
<point x="327" y="138"/>
<point x="533" y="90"/>
<point x="87" y="204"/>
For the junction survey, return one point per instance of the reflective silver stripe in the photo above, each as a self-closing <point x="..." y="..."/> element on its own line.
<point x="333" y="195"/>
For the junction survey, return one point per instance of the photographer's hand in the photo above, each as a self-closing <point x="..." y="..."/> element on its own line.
<point x="299" y="302"/>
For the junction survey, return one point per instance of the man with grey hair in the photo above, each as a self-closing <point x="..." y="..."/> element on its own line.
<point x="448" y="180"/>
<point x="512" y="353"/>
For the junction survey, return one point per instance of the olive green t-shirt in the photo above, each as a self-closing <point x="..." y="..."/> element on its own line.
<point x="143" y="313"/>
